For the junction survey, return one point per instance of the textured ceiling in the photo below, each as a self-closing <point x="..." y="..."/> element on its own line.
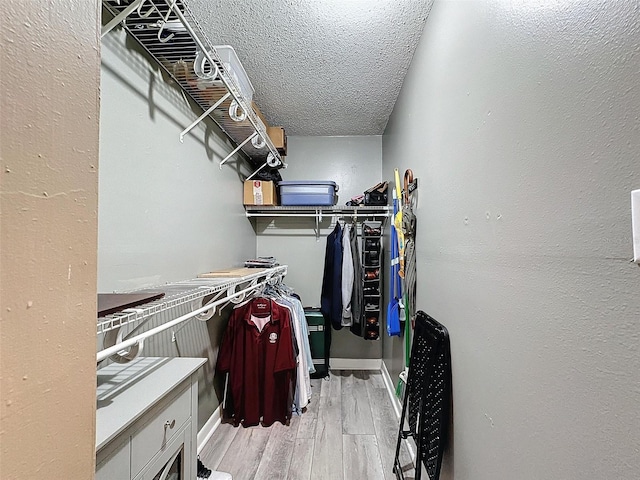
<point x="320" y="67"/>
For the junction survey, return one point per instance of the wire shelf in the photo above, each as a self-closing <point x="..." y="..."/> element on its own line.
<point x="363" y="212"/>
<point x="279" y="210"/>
<point x="185" y="292"/>
<point x="172" y="35"/>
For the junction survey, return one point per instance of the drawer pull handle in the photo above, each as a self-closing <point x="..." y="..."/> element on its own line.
<point x="169" y="424"/>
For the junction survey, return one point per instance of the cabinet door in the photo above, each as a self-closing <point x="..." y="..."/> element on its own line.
<point x="116" y="466"/>
<point x="174" y="463"/>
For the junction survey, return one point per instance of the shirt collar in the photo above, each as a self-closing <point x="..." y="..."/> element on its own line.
<point x="274" y="310"/>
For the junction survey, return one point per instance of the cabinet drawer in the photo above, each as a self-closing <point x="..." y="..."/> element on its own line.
<point x="157" y="434"/>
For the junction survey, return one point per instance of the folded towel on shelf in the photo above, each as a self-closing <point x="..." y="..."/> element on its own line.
<point x="261" y="262"/>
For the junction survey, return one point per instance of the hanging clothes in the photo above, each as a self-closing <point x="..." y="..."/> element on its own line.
<point x="258" y="354"/>
<point x="347" y="277"/>
<point x="357" y="293"/>
<point x="409" y="231"/>
<point x="300" y="317"/>
<point x="395" y="283"/>
<point x="331" y="293"/>
<point x="395" y="291"/>
<point x="302" y="392"/>
<point x="287" y="298"/>
<point x="397" y="220"/>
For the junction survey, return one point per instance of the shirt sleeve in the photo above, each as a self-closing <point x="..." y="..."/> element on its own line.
<point x="285" y="359"/>
<point x="226" y="347"/>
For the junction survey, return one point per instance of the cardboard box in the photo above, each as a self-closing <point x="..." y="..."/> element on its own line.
<point x="259" y="192"/>
<point x="279" y="139"/>
<point x="259" y="114"/>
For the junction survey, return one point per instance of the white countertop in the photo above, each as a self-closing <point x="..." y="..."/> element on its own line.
<point x="126" y="391"/>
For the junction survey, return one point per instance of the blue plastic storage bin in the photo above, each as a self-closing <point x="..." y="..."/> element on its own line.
<point x="307" y="192"/>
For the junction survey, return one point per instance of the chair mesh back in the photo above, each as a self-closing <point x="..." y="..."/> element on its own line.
<point x="429" y="391"/>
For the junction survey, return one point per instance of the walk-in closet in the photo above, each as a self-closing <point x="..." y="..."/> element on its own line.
<point x="319" y="239"/>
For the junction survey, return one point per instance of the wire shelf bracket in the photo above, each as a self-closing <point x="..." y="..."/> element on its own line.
<point x="235" y="150"/>
<point x="206" y="113"/>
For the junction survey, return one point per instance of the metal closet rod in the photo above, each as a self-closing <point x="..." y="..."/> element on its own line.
<point x="362" y="215"/>
<point x="129" y="342"/>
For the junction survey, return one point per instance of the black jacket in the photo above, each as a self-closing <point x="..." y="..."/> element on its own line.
<point x="331" y="294"/>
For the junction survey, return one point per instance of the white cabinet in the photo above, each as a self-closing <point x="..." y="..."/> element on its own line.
<point x="146" y="419"/>
<point x="116" y="465"/>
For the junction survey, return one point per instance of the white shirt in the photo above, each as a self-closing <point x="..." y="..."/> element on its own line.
<point x="347" y="277"/>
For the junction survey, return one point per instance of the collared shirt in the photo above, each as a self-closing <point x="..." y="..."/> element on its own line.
<point x="259" y="357"/>
<point x="302" y="393"/>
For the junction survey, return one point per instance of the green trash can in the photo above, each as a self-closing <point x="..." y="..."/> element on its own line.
<point x="318" y="341"/>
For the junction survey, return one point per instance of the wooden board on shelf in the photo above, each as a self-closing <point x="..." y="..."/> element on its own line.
<point x="231" y="272"/>
<point x="109" y="303"/>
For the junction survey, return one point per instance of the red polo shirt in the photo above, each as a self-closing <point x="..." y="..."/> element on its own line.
<point x="260" y="362"/>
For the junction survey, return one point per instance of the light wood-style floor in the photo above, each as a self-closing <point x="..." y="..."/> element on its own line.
<point x="348" y="432"/>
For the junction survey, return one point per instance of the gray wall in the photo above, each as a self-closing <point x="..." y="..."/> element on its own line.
<point x="354" y="163"/>
<point x="166" y="210"/>
<point x="522" y="122"/>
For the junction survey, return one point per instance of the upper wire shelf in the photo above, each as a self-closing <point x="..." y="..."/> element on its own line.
<point x="363" y="212"/>
<point x="170" y="32"/>
<point x="297" y="211"/>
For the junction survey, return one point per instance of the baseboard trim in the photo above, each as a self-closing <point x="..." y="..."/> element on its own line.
<point x="209" y="427"/>
<point x="355" y="363"/>
<point x="391" y="390"/>
<point x="397" y="404"/>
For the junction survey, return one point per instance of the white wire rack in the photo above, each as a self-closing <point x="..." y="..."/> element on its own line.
<point x="360" y="213"/>
<point x="318" y="211"/>
<point x="205" y="295"/>
<point x="169" y="31"/>
<point x="188" y="292"/>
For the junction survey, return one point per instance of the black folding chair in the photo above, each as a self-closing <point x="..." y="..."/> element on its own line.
<point x="427" y="397"/>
